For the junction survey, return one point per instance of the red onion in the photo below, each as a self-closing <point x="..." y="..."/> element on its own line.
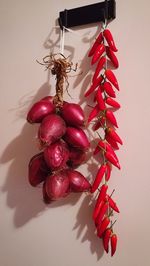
<point x="78" y="183"/>
<point x="73" y="114"/>
<point x="57" y="185"/>
<point x="46" y="198"/>
<point x="77" y="138"/>
<point x="40" y="110"/>
<point x="76" y="157"/>
<point x="51" y="129"/>
<point x="48" y="99"/>
<point x="38" y="169"/>
<point x="56" y="155"/>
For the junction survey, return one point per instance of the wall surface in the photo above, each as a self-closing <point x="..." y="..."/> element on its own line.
<point x="32" y="234"/>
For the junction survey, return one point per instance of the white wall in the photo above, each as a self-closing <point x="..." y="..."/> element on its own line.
<point x="32" y="234"/>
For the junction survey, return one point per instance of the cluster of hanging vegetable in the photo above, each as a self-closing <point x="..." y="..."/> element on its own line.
<point x="63" y="143"/>
<point x="104" y="84"/>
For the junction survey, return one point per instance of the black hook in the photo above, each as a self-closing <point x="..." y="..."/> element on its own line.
<point x="65" y="15"/>
<point x="98" y="12"/>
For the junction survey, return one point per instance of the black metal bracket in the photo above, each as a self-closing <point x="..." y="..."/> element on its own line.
<point x="88" y="14"/>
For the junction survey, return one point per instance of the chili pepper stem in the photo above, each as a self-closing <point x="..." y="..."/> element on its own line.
<point x="112" y="224"/>
<point x="112" y="193"/>
<point x="99" y="135"/>
<point x="110" y="213"/>
<point x="104" y="150"/>
<point x="104" y="42"/>
<point x="104" y="26"/>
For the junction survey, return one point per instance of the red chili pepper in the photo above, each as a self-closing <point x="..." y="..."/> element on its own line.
<point x="100" y="123"/>
<point x="97" y="150"/>
<point x="102" y="227"/>
<point x="112" y="102"/>
<point x="112" y="57"/>
<point x="112" y="204"/>
<point x="102" y="87"/>
<point x="110" y="116"/>
<point x="109" y="38"/>
<point x="95" y="45"/>
<point x="112" y="142"/>
<point x="113" y="244"/>
<point x="101" y="145"/>
<point x="112" y="78"/>
<point x="97" y="126"/>
<point x="99" y="67"/>
<point x="101" y="214"/>
<point x="100" y="201"/>
<point x="104" y="146"/>
<point x="110" y="149"/>
<point x="93" y="113"/>
<point x="112" y="159"/>
<point x="108" y="89"/>
<point x="106" y="239"/>
<point x="100" y="100"/>
<point x="93" y="49"/>
<point x="98" y="178"/>
<point x="97" y="208"/>
<point x="100" y="38"/>
<point x="102" y="193"/>
<point x="99" y="51"/>
<point x="108" y="171"/>
<point x="94" y="85"/>
<point x="113" y="135"/>
<point x="107" y="148"/>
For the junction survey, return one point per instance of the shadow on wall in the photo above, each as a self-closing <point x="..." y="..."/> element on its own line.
<point x="20" y="196"/>
<point x="27" y="201"/>
<point x="84" y="221"/>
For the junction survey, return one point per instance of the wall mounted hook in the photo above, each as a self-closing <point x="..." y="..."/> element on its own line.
<point x="88" y="14"/>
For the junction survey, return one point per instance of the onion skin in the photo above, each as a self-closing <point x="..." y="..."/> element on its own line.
<point x="52" y="128"/>
<point x="56" y="155"/>
<point x="37" y="170"/>
<point x="48" y="99"/>
<point x="76" y="157"/>
<point x="73" y="114"/>
<point x="76" y="138"/>
<point x="57" y="185"/>
<point x="78" y="183"/>
<point x="40" y="110"/>
<point x="46" y="198"/>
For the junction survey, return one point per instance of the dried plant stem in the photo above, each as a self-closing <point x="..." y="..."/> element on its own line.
<point x="59" y="67"/>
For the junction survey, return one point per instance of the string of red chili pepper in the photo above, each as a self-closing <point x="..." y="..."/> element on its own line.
<point x="103" y="88"/>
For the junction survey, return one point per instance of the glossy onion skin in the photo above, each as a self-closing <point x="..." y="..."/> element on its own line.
<point x="56" y="155"/>
<point x="73" y="114"/>
<point x="76" y="138"/>
<point x="40" y="110"/>
<point x="48" y="99"/>
<point x="52" y="128"/>
<point x="76" y="157"/>
<point x="57" y="185"/>
<point x="46" y="198"/>
<point x="78" y="183"/>
<point x="37" y="169"/>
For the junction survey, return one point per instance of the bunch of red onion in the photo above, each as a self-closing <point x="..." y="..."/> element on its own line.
<point x="63" y="148"/>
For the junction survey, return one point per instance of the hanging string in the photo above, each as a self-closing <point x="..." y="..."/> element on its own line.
<point x="62" y="37"/>
<point x="62" y="40"/>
